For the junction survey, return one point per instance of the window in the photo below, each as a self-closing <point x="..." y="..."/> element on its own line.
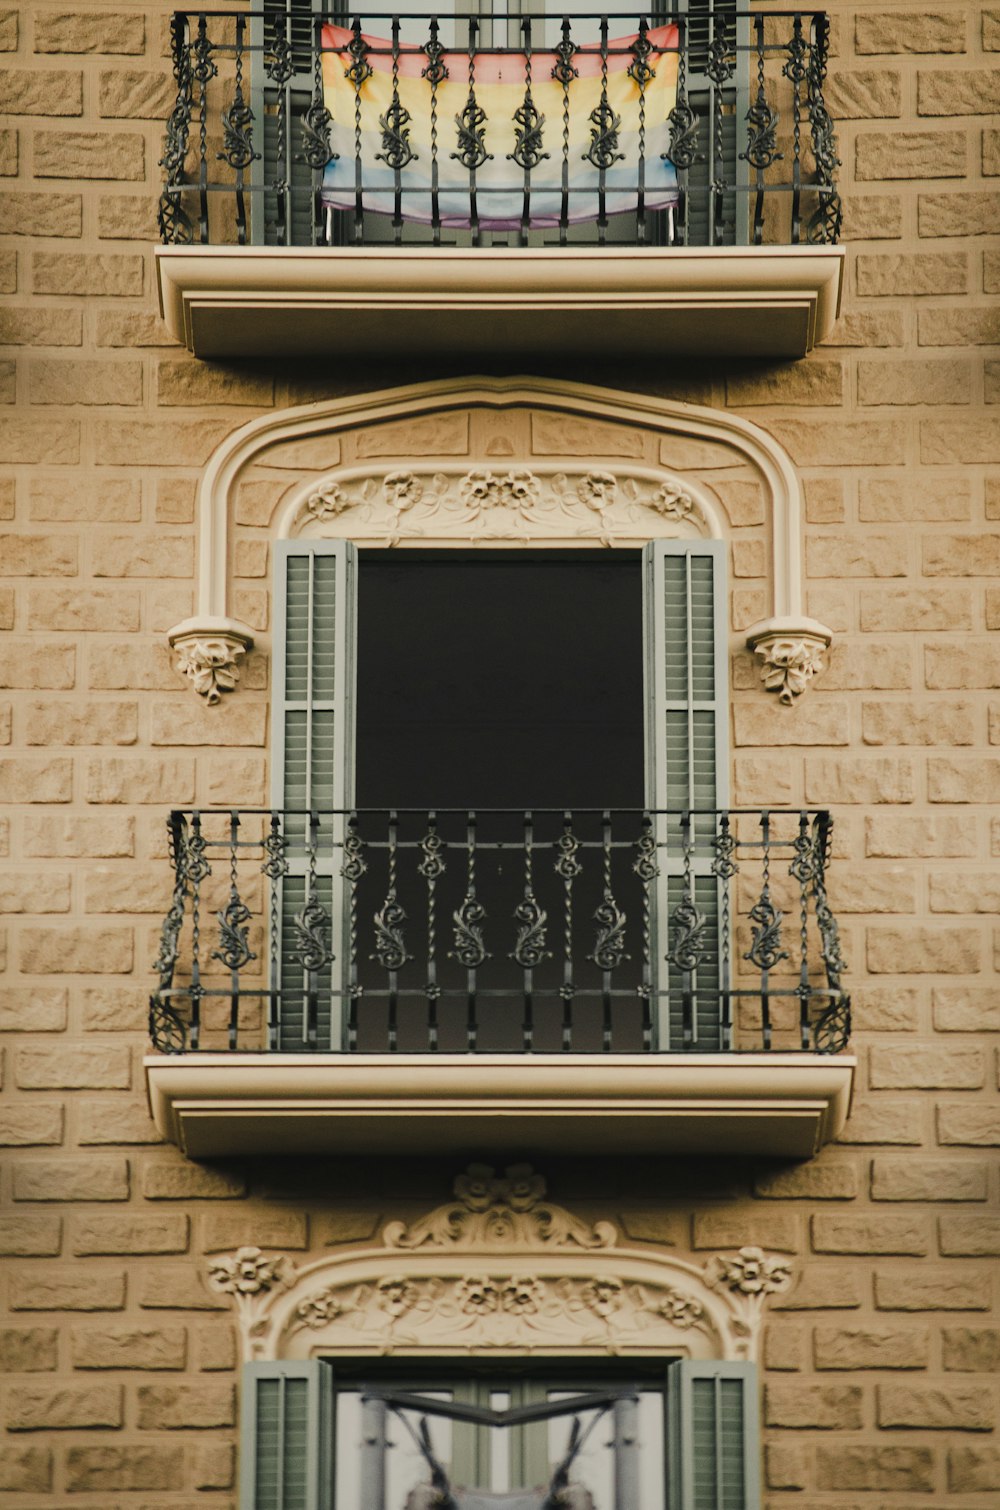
<point x="331" y="1435"/>
<point x="535" y="680"/>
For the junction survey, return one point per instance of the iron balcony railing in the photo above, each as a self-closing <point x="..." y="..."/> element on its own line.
<point x="666" y="129"/>
<point x="499" y="931"/>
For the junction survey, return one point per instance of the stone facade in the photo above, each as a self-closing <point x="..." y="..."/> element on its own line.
<point x="119" y="1361"/>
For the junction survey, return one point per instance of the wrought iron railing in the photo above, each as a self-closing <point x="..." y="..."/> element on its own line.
<point x="645" y="129"/>
<point x="506" y="931"/>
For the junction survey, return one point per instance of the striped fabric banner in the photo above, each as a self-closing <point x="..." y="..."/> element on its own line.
<point x="361" y="113"/>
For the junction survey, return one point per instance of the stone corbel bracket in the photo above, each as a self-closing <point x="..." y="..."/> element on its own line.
<point x="790" y="650"/>
<point x="209" y="649"/>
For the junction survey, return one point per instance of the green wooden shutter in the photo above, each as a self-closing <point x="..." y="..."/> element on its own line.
<point x="713" y="1436"/>
<point x="286" y="1436"/>
<point x="687" y="715"/>
<point x="313" y="754"/>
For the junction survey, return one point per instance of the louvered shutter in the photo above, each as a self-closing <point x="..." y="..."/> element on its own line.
<point x="717" y="137"/>
<point x="313" y="762"/>
<point x="286" y="1436"/>
<point x="687" y="712"/>
<point x="714" y="1430"/>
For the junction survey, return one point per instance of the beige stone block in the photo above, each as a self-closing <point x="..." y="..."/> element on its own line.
<point x="885" y="500"/>
<point x="966" y="1009"/>
<point x="965" y="892"/>
<point x="114" y="1122"/>
<point x="873" y="891"/>
<point x="174" y="501"/>
<point x="183" y="1182"/>
<point x="171" y="443"/>
<point x="25" y="1469"/>
<point x="816" y="1181"/>
<point x="117" y="1234"/>
<point x="761" y="781"/>
<point x="41" y="91"/>
<point x="870" y="1347"/>
<point x="77" y="837"/>
<point x="875" y="1235"/>
<point x="31" y="779"/>
<point x="867" y="665"/>
<point x="968" y="1125"/>
<point x="857" y="778"/>
<point x="872" y="217"/>
<point x="990" y="30"/>
<point x="743" y="502"/>
<point x="62" y="380"/>
<point x="33" y="1009"/>
<point x="991" y="274"/>
<point x="117" y="327"/>
<point x="90" y="31"/>
<point x="273" y="1228"/>
<point x="923" y="1067"/>
<point x="185" y="381"/>
<point x="887" y="1009"/>
<point x="912" y="1179"/>
<point x="942" y="1289"/>
<point x="811" y="382"/>
<point x="963" y="779"/>
<point x="153" y="555"/>
<point x="958" y="327"/>
<point x="958" y="91"/>
<point x="965" y="663"/>
<point x="824" y="500"/>
<point x="74" y="499"/>
<point x="991" y="153"/>
<point x="786" y="1465"/>
<point x="973" y="1469"/>
<point x="146" y="666"/>
<point x="820" y="1287"/>
<point x="864" y="94"/>
<point x="62" y="722"/>
<point x="8" y="30"/>
<point x="34" y="214"/>
<point x="9" y="155"/>
<point x="927" y="381"/>
<point x="991" y="382"/>
<point x="43" y="327"/>
<point x="916" y="31"/>
<point x="128" y="1468"/>
<point x="840" y="442"/>
<point x="128" y="1347"/>
<point x="971" y="1350"/>
<point x="238" y="780"/>
<point x="51" y="1287"/>
<point x="89" y="155"/>
<point x="72" y="1180"/>
<point x="961" y="555"/>
<point x="28" y="1350"/>
<point x="61" y="1407"/>
<point x="959" y="213"/>
<point x="890" y="837"/>
<point x="910" y="154"/>
<point x="172" y="1406"/>
<point x="907" y="274"/>
<point x="878" y="1122"/>
<point x="29" y="1126"/>
<point x="873" y="556"/>
<point x="76" y="951"/>
<point x="140" y="779"/>
<point x="136" y="94"/>
<point x="178" y="1288"/>
<point x="22" y="441"/>
<point x="784" y="1346"/>
<point x="39" y="555"/>
<point x="127" y="217"/>
<point x="214" y="1465"/>
<point x="251" y="558"/>
<point x="98" y="609"/>
<point x="135" y="889"/>
<point x="30" y="1236"/>
<point x="871" y="1467"/>
<point x="182" y="722"/>
<point x="112" y="1009"/>
<point x="27" y="891"/>
<point x="907" y="723"/>
<point x="821" y="723"/>
<point x="215" y="1347"/>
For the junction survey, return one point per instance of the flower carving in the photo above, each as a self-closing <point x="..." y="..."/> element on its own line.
<point x="491" y="490"/>
<point x="327" y="502"/>
<point x="477" y="1187"/>
<point x="521" y="1188"/>
<point x="682" y="1311"/>
<point x="751" y="1271"/>
<point x="316" y="1310"/>
<point x="210" y="664"/>
<point x="602" y="1296"/>
<point x="477" y="1297"/>
<point x="397" y="1295"/>
<point x="788" y="665"/>
<point x="671" y="502"/>
<point x="597" y="490"/>
<point x="249" y="1272"/>
<point x="523" y="1296"/>
<point x="402" y="489"/>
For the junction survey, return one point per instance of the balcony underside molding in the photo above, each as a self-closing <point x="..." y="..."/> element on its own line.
<point x="226" y="302"/>
<point x="224" y="1104"/>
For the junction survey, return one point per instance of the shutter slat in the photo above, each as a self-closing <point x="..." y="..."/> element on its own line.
<point x="714" y="1431"/>
<point x="286" y="1436"/>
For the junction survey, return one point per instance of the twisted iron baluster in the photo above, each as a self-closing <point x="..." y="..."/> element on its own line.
<point x="317" y="144"/>
<point x="765" y="947"/>
<point x="762" y="127"/>
<point x="683" y="122"/>
<point x="530" y="950"/>
<point x="237" y="127"/>
<point x="648" y="871"/>
<point x="803" y="870"/>
<point x="432" y="867"/>
<point x="174" y="222"/>
<point x="824" y="225"/>
<point x="833" y="1029"/>
<point x="471" y="126"/>
<point x="794" y="70"/>
<point x="609" y="950"/>
<point x="435" y="73"/>
<point x="603" y="151"/>
<point x="312" y="930"/>
<point x="720" y="68"/>
<point x="564" y="73"/>
<point x="641" y="73"/>
<point x="197" y="869"/>
<point x="351" y="870"/>
<point x="234" y="948"/>
<point x="204" y="70"/>
<point x="396" y="150"/>
<point x="470" y="949"/>
<point x="275" y="867"/>
<point x="528" y="125"/>
<point x="390" y="948"/>
<point x="166" y="1027"/>
<point x="568" y="867"/>
<point x="724" y="867"/>
<point x="279" y="67"/>
<point x="358" y="71"/>
<point x="689" y="940"/>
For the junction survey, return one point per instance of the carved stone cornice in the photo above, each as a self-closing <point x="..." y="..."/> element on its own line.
<point x="208" y="653"/>
<point x="790" y="651"/>
<point x="500" y="1267"/>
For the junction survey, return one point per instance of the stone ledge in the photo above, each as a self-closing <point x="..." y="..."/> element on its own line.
<point x="779" y="1104"/>
<point x="225" y="302"/>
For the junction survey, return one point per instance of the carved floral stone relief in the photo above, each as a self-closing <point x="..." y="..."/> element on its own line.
<point x="500" y="1267"/>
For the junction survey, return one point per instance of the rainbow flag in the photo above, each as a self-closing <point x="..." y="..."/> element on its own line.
<point x="359" y="113"/>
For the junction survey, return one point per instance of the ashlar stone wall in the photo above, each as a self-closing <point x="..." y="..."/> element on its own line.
<point x="881" y="1365"/>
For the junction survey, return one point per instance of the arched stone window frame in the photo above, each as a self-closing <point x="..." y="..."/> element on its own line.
<point x="659" y="502"/>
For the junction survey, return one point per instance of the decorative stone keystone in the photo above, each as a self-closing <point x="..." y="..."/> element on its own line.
<point x="208" y="650"/>
<point x="790" y="650"/>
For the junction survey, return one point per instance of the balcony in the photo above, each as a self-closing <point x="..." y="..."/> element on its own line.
<point x="434" y="184"/>
<point x="616" y="980"/>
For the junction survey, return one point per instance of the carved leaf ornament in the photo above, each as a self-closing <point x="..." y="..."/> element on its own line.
<point x="500" y="1267"/>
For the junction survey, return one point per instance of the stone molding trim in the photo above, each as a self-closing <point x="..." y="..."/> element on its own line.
<point x="208" y="652"/>
<point x="503" y="1269"/>
<point x="501" y="502"/>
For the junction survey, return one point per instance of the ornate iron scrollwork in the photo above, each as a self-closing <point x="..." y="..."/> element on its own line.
<point x="762" y="128"/>
<point x="832" y="1032"/>
<point x="167" y="1031"/>
<point x="528" y="125"/>
<point x="436" y="71"/>
<point x="317" y="149"/>
<point x="234" y="948"/>
<point x="395" y="125"/>
<point x="563" y="70"/>
<point x="609" y="950"/>
<point x="639" y="70"/>
<point x="390" y="950"/>
<point x="471" y="125"/>
<point x="721" y="63"/>
<point x="644" y="864"/>
<point x="359" y="69"/>
<point x="604" y="127"/>
<point x="765" y="948"/>
<point x="237" y="126"/>
<point x="530" y="949"/>
<point x="470" y="948"/>
<point x="689" y="935"/>
<point x="278" y="62"/>
<point x="683" y="125"/>
<point x="312" y="935"/>
<point x="825" y="224"/>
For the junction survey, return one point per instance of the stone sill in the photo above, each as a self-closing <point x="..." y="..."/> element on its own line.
<point x="229" y="302"/>
<point x="225" y="1104"/>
